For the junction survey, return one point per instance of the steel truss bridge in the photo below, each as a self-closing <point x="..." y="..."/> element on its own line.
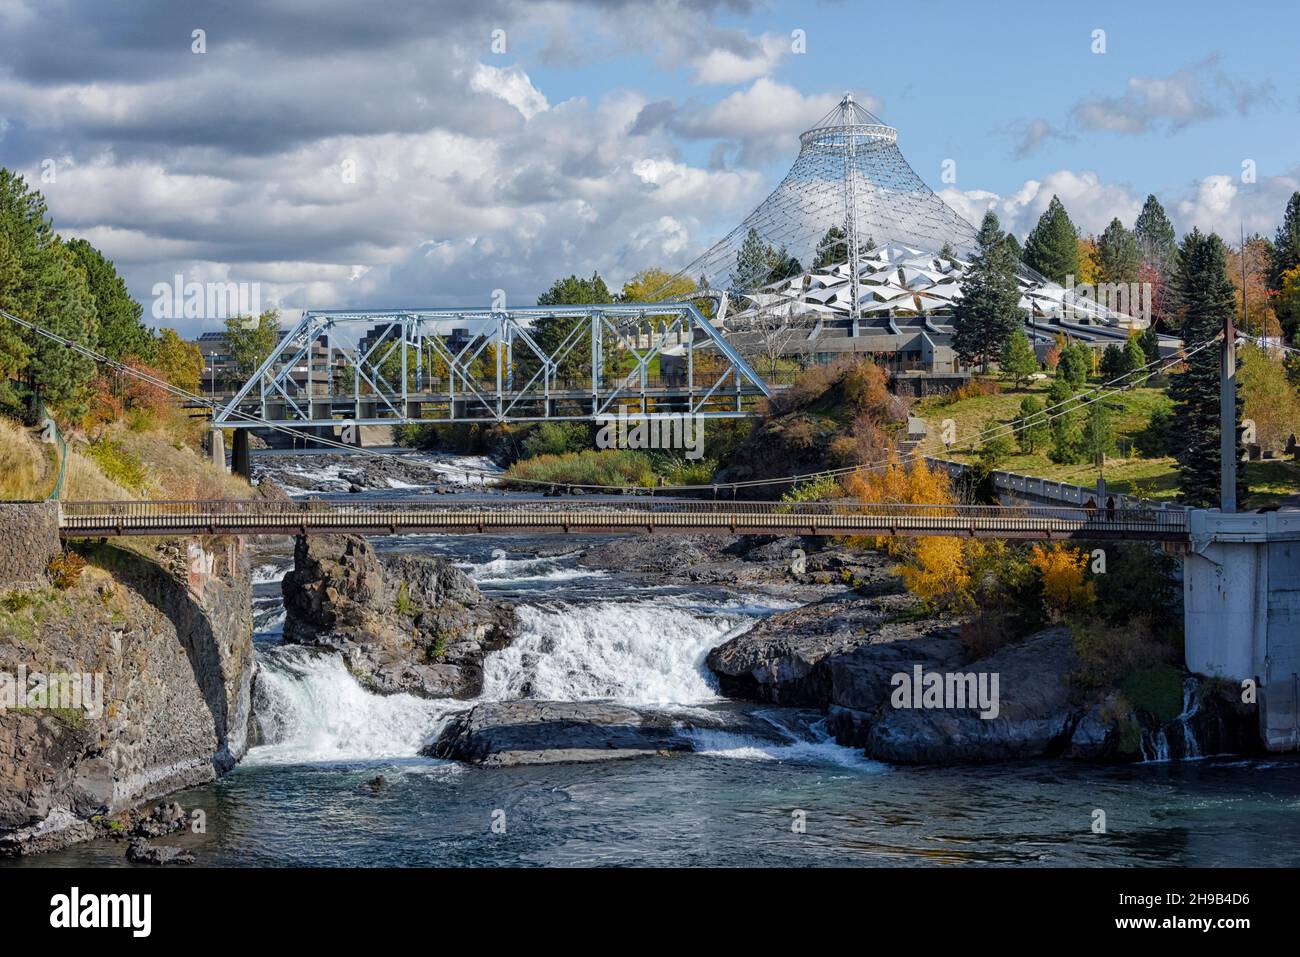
<point x="631" y="514"/>
<point x="342" y="369"/>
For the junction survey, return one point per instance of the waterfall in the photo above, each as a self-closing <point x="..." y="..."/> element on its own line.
<point x="1156" y="745"/>
<point x="636" y="652"/>
<point x="311" y="709"/>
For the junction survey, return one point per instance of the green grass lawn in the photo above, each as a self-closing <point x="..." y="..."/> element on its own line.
<point x="1128" y="472"/>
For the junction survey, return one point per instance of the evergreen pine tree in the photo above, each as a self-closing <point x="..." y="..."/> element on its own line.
<point x="1113" y="362"/>
<point x="41" y="283"/>
<point x="1117" y="254"/>
<point x="1075" y="365"/>
<point x="1052" y="248"/>
<point x="1135" y="356"/>
<point x="1064" y="422"/>
<point x="61" y="376"/>
<point x="1018" y="360"/>
<point x="988" y="311"/>
<point x="121" y="333"/>
<point x="1031" y="426"/>
<point x="1286" y="245"/>
<point x="551" y="332"/>
<point x="1154" y="235"/>
<point x="1205" y="297"/>
<point x="26" y="235"/>
<point x="833" y="248"/>
<point x="753" y="265"/>
<point x="1098" y="435"/>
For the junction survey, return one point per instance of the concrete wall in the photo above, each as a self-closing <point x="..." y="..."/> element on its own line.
<point x="1241" y="592"/>
<point x="30" y="532"/>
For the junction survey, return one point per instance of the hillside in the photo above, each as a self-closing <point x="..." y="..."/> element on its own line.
<point x="118" y="462"/>
<point x="1138" y="467"/>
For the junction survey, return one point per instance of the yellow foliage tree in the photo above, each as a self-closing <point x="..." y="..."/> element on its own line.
<point x="180" y="362"/>
<point x="938" y="571"/>
<point x="656" y="285"/>
<point x="1065" y="589"/>
<point x="899" y="484"/>
<point x="1089" y="263"/>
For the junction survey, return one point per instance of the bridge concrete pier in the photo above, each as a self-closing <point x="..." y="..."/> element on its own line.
<point x="241" y="462"/>
<point x="217" y="448"/>
<point x="1241" y="599"/>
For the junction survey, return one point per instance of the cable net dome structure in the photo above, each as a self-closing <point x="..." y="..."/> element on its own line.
<point x="851" y="177"/>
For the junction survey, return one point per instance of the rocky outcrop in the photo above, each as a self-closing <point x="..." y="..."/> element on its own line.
<point x="844" y="656"/>
<point x="402" y="623"/>
<point x="140" y="851"/>
<point x="816" y="656"/>
<point x="506" y="733"/>
<point x="1036" y="711"/>
<point x="170" y="651"/>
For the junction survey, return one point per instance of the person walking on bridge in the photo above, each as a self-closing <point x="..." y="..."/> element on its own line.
<point x="1110" y="509"/>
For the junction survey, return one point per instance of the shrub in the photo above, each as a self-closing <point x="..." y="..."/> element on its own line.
<point x="65" y="570"/>
<point x="937" y="572"/>
<point x="118" y="464"/>
<point x="683" y="471"/>
<point x="996" y="449"/>
<point x="1140" y="583"/>
<point x="816" y="490"/>
<point x="613" y="467"/>
<point x="1156" y="439"/>
<point x="556" y="438"/>
<point x="1065" y="590"/>
<point x="16" y="601"/>
<point x="1109" y="653"/>
<point x="1155" y="687"/>
<point x="404" y="606"/>
<point x="973" y="389"/>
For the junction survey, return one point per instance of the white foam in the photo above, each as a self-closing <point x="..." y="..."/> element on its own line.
<point x="312" y="710"/>
<point x="636" y="652"/>
<point x="266" y="574"/>
<point x="718" y="743"/>
<point x="509" y="571"/>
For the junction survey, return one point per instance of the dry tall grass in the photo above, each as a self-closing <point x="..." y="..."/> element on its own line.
<point x="26" y="466"/>
<point x="172" y="469"/>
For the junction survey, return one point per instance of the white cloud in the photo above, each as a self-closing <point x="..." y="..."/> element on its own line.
<point x="1216" y="203"/>
<point x="726" y="66"/>
<point x="510" y="84"/>
<point x="1195" y="93"/>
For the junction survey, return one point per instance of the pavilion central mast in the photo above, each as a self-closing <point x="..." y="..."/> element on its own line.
<point x="851" y="202"/>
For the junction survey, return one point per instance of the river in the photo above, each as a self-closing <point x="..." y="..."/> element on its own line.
<point x="303" y="798"/>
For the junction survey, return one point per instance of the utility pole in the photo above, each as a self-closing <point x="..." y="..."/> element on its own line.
<point x="1228" y="402"/>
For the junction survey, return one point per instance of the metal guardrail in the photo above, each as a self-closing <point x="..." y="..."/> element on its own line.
<point x="91" y="519"/>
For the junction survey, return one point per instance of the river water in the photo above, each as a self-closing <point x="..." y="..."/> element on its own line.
<point x="801" y="800"/>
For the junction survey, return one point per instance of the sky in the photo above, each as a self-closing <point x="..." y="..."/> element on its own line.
<point x="416" y="154"/>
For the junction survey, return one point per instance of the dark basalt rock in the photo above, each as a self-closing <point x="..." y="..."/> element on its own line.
<point x="402" y="623"/>
<point x="140" y="851"/>
<point x="508" y="733"/>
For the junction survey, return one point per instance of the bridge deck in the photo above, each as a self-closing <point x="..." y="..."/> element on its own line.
<point x="604" y="516"/>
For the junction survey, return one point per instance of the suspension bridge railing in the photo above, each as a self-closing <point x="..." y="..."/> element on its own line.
<point x="634" y="513"/>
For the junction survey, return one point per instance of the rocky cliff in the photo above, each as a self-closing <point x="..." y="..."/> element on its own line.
<point x="166" y="632"/>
